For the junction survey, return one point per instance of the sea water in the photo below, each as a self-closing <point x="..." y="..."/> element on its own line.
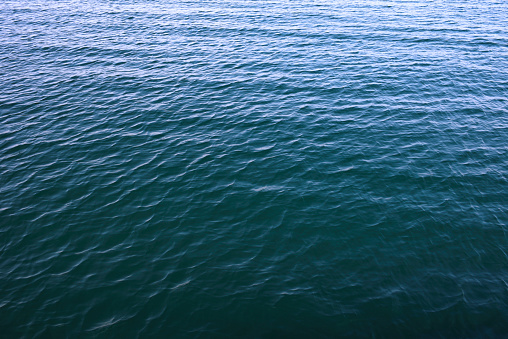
<point x="259" y="169"/>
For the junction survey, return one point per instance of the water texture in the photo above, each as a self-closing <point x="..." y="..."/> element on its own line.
<point x="259" y="169"/>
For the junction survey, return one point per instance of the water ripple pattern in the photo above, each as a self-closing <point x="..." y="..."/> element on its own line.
<point x="259" y="169"/>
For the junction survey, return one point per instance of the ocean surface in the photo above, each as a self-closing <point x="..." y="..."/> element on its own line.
<point x="253" y="169"/>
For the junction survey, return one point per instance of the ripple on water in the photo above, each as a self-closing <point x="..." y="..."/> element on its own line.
<point x="253" y="168"/>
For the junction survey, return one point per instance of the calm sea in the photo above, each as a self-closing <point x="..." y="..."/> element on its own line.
<point x="253" y="169"/>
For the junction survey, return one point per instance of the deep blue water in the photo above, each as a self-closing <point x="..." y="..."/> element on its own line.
<point x="259" y="169"/>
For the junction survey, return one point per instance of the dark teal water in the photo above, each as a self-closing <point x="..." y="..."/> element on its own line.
<point x="259" y="169"/>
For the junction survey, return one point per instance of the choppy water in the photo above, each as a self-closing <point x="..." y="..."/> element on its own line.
<point x="253" y="168"/>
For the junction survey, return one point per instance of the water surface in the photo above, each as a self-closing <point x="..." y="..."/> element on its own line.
<point x="258" y="169"/>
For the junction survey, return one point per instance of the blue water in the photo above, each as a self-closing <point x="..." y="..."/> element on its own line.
<point x="259" y="169"/>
